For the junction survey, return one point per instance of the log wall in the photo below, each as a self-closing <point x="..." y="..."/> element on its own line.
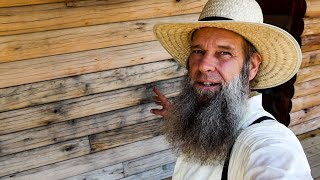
<point x="75" y="87"/>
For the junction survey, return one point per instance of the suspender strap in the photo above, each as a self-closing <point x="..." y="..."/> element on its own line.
<point x="226" y="162"/>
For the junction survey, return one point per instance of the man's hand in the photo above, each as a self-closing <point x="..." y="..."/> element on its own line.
<point x="161" y="100"/>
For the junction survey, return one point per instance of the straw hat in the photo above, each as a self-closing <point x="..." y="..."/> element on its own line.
<point x="281" y="54"/>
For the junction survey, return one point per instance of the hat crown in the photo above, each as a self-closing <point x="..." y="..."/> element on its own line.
<point x="238" y="10"/>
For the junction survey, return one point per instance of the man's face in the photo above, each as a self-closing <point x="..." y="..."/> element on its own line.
<point x="216" y="58"/>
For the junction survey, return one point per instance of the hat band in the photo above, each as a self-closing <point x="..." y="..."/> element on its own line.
<point x="214" y="18"/>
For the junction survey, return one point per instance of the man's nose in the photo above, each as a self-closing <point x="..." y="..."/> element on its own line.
<point x="207" y="63"/>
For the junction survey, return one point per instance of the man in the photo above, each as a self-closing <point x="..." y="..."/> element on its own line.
<point x="217" y="124"/>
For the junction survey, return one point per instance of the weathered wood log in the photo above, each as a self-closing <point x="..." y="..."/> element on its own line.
<point x="94" y="161"/>
<point x="55" y="133"/>
<point x="6" y="3"/>
<point x="42" y="156"/>
<point x="18" y="20"/>
<point x="110" y="172"/>
<point x="304" y="115"/>
<point x="26" y="46"/>
<point x="125" y="135"/>
<point x="77" y="86"/>
<point x="311" y="26"/>
<point x="310" y="42"/>
<point x="149" y="162"/>
<point x="161" y="172"/>
<point x="307" y="126"/>
<point x="59" y="66"/>
<point x="310" y="58"/>
<point x="306" y="88"/>
<point x="305" y="102"/>
<point x="313" y="8"/>
<point x="308" y="74"/>
<point x="21" y="119"/>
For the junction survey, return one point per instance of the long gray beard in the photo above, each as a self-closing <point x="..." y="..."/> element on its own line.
<point x="204" y="132"/>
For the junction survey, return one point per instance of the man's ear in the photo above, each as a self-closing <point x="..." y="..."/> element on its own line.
<point x="254" y="65"/>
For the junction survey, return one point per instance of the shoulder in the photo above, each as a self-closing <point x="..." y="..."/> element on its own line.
<point x="269" y="149"/>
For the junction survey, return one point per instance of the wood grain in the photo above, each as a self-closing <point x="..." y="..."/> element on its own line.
<point x="55" y="133"/>
<point x="307" y="126"/>
<point x="110" y="172"/>
<point x="306" y="88"/>
<point x="6" y="3"/>
<point x="125" y="135"/>
<point x="33" y="45"/>
<point x="161" y="172"/>
<point x="313" y="8"/>
<point x="21" y="119"/>
<point x="83" y="85"/>
<point x="308" y="74"/>
<point x="149" y="162"/>
<point x="310" y="42"/>
<point x="71" y="14"/>
<point x="311" y="25"/>
<point x="42" y="156"/>
<point x="309" y="58"/>
<point x="305" y="102"/>
<point x="304" y="115"/>
<point x="94" y="161"/>
<point x="60" y="66"/>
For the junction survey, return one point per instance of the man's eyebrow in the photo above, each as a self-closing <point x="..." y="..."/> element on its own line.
<point x="226" y="47"/>
<point x="195" y="46"/>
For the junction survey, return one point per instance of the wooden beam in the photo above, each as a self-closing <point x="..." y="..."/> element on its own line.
<point x="306" y="88"/>
<point x="71" y="14"/>
<point x="125" y="135"/>
<point x="305" y="102"/>
<point x="21" y="119"/>
<point x="308" y="74"/>
<point x="310" y="42"/>
<point x="309" y="58"/>
<point x="311" y="26"/>
<point x="149" y="162"/>
<point x="64" y="131"/>
<point x="42" y="156"/>
<point x="304" y="115"/>
<point x="59" y="66"/>
<point x="94" y="161"/>
<point x="307" y="126"/>
<point x="6" y="3"/>
<point x="83" y="85"/>
<point x="27" y="46"/>
<point x="313" y="8"/>
<point x="110" y="172"/>
<point x="161" y="172"/>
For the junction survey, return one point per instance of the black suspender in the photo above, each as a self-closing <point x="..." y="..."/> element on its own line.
<point x="226" y="162"/>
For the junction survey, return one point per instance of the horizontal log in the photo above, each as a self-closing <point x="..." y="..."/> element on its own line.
<point x="313" y="8"/>
<point x="55" y="133"/>
<point x="27" y="46"/>
<point x="310" y="42"/>
<point x="305" y="102"/>
<point x="18" y="20"/>
<point x="148" y="162"/>
<point x="309" y="58"/>
<point x="125" y="135"/>
<point x="308" y="74"/>
<point x="110" y="172"/>
<point x="311" y="26"/>
<point x="59" y="66"/>
<point x="42" y="156"/>
<point x="6" y="3"/>
<point x="306" y="126"/>
<point x="304" y="115"/>
<point x="77" y="86"/>
<point x="161" y="172"/>
<point x="94" y="161"/>
<point x="21" y="119"/>
<point x="310" y="138"/>
<point x="306" y="88"/>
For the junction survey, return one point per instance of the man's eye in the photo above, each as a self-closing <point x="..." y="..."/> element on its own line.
<point x="197" y="52"/>
<point x="225" y="53"/>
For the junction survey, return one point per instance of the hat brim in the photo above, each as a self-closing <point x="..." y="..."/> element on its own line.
<point x="280" y="52"/>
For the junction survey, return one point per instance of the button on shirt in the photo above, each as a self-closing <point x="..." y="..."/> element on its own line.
<point x="264" y="151"/>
